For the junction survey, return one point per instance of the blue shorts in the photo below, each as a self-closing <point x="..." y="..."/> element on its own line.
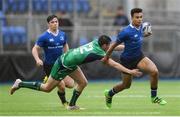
<point x="131" y="63"/>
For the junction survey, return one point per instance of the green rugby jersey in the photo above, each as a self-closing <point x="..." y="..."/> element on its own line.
<point x="83" y="54"/>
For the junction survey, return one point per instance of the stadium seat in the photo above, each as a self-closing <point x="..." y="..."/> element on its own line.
<point x="70" y="5"/>
<point x="6" y="36"/>
<point x="2" y="18"/>
<point x="15" y="6"/>
<point x="83" y="6"/>
<point x="54" y="5"/>
<point x="23" y="6"/>
<point x="40" y="6"/>
<point x="62" y="5"/>
<point x="20" y="35"/>
<point x="14" y="35"/>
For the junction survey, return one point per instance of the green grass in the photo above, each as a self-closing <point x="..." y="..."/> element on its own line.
<point x="135" y="101"/>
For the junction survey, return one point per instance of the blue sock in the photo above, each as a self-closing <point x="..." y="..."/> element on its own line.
<point x="153" y="92"/>
<point x="112" y="92"/>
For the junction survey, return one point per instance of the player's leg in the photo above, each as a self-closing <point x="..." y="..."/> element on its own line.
<point x="47" y="87"/>
<point x="126" y="83"/>
<point x="148" y="66"/>
<point x="82" y="82"/>
<point x="61" y="86"/>
<point x="69" y="82"/>
<point x="66" y="82"/>
<point x="61" y="93"/>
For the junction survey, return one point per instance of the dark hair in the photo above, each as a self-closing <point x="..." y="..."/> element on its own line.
<point x="103" y="39"/>
<point x="50" y="17"/>
<point x="136" y="10"/>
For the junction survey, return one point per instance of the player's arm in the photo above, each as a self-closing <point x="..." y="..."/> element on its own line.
<point x="66" y="47"/>
<point x="35" y="53"/>
<point x="109" y="52"/>
<point x="119" y="47"/>
<point x="119" y="67"/>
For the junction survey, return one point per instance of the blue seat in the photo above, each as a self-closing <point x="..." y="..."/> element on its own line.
<point x="14" y="35"/>
<point x="62" y="5"/>
<point x="3" y="19"/>
<point x="54" y="5"/>
<point x="40" y="6"/>
<point x="6" y="36"/>
<point x="69" y="5"/>
<point x="19" y="35"/>
<point x="23" y="6"/>
<point x="83" y="6"/>
<point x="86" y="6"/>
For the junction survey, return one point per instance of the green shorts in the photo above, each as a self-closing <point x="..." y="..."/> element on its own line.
<point x="59" y="72"/>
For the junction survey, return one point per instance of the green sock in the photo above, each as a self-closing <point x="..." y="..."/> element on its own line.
<point x="62" y="97"/>
<point x="30" y="85"/>
<point x="74" y="98"/>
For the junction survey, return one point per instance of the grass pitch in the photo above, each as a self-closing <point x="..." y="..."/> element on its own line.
<point x="134" y="101"/>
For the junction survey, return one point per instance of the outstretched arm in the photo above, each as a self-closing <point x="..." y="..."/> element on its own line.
<point x="109" y="52"/>
<point x="119" y="67"/>
<point x="119" y="47"/>
<point x="111" y="48"/>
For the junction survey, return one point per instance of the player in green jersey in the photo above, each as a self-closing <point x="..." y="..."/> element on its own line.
<point x="67" y="64"/>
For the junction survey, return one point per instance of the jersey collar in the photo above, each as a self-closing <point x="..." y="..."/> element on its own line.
<point x="55" y="34"/>
<point x="134" y="27"/>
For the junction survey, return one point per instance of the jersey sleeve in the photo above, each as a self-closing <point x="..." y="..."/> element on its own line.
<point x="40" y="41"/>
<point x="121" y="37"/>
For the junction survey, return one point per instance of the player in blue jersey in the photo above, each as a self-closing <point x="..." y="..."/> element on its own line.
<point x="133" y="57"/>
<point x="54" y="43"/>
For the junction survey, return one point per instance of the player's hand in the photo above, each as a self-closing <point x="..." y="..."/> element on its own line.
<point x="105" y="59"/>
<point x="136" y="72"/>
<point x="39" y="62"/>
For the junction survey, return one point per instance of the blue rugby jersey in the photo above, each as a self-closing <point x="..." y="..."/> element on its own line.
<point x="132" y="39"/>
<point x="52" y="45"/>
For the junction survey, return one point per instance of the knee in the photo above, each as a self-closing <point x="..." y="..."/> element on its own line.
<point x="155" y="72"/>
<point x="70" y="85"/>
<point x="47" y="90"/>
<point x="83" y="83"/>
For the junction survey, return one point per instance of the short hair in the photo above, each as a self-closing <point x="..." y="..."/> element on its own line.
<point x="136" y="10"/>
<point x="50" y="17"/>
<point x="103" y="39"/>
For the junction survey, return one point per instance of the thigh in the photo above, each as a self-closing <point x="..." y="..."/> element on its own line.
<point x="147" y="65"/>
<point x="78" y="76"/>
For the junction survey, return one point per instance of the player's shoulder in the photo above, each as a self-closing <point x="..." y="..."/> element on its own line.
<point x="61" y="32"/>
<point x="43" y="35"/>
<point x="125" y="30"/>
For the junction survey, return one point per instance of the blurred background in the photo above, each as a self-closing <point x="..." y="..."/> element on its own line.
<point x="22" y="21"/>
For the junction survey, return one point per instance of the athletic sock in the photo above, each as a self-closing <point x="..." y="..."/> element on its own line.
<point x="74" y="98"/>
<point x="153" y="92"/>
<point x="62" y="97"/>
<point x="112" y="92"/>
<point x="30" y="85"/>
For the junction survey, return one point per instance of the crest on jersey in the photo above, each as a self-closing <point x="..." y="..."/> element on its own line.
<point x="51" y="40"/>
<point x="61" y="38"/>
<point x="136" y="35"/>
